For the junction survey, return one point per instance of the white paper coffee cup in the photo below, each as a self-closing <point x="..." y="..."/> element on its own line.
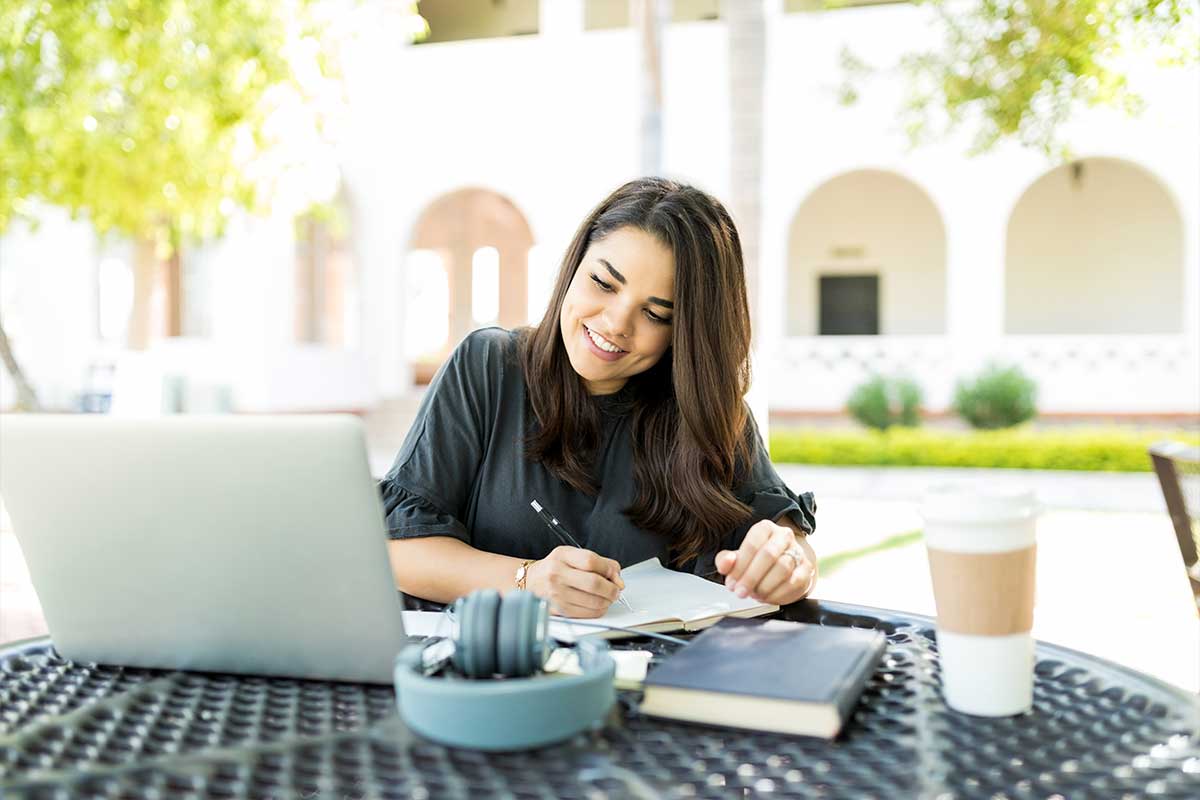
<point x="982" y="559"/>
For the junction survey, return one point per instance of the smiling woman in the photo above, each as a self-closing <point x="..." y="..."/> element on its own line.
<point x="622" y="411"/>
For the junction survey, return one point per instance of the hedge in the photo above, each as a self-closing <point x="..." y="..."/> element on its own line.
<point x="1105" y="449"/>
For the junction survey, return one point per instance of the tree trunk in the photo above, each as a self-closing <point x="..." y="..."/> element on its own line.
<point x="650" y="17"/>
<point x="26" y="398"/>
<point x="745" y="22"/>
<point x="157" y="295"/>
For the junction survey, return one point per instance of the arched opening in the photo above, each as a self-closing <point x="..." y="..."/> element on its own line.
<point x="1094" y="247"/>
<point x="866" y="255"/>
<point x="467" y="267"/>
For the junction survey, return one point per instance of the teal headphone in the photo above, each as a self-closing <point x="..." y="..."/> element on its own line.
<point x="500" y="699"/>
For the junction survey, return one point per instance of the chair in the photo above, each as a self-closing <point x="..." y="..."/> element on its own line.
<point x="1178" y="469"/>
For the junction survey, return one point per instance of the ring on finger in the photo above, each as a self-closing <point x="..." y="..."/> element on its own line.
<point x="796" y="553"/>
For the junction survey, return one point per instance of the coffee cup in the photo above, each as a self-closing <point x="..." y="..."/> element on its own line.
<point x="982" y="559"/>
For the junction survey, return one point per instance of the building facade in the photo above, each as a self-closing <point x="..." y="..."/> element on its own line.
<point x="471" y="158"/>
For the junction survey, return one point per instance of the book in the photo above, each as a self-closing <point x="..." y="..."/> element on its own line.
<point x="663" y="600"/>
<point x="768" y="675"/>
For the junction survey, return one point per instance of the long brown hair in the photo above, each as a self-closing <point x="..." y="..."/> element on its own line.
<point x="690" y="427"/>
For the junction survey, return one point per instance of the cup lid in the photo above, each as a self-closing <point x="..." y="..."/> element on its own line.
<point x="977" y="502"/>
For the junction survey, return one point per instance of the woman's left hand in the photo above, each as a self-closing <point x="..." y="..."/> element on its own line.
<point x="774" y="565"/>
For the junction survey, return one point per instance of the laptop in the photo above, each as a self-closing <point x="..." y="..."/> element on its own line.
<point x="248" y="544"/>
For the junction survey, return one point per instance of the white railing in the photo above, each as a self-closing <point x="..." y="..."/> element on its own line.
<point x="1075" y="374"/>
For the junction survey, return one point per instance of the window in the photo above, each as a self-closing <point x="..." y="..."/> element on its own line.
<point x="849" y="305"/>
<point x="485" y="285"/>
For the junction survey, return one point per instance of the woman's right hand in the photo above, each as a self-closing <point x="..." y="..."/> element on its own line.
<point x="576" y="582"/>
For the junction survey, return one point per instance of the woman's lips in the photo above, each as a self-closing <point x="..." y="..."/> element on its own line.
<point x="603" y="355"/>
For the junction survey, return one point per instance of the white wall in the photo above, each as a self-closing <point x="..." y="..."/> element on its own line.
<point x="49" y="305"/>
<point x="1100" y="254"/>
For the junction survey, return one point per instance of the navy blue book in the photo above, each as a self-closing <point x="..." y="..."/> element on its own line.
<point x="767" y="675"/>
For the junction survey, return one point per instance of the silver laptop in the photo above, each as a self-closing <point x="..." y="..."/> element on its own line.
<point x="235" y="544"/>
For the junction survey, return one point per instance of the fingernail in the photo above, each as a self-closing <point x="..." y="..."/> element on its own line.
<point x="729" y="582"/>
<point x="742" y="591"/>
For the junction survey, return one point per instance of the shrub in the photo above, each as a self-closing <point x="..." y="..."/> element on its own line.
<point x="1108" y="450"/>
<point x="999" y="397"/>
<point x="883" y="402"/>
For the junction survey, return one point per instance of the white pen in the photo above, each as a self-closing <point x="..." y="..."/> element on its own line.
<point x="566" y="538"/>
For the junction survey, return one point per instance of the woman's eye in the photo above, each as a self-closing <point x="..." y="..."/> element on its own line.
<point x="605" y="286"/>
<point x="656" y="318"/>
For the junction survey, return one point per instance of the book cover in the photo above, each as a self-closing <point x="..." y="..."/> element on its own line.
<point x="772" y="675"/>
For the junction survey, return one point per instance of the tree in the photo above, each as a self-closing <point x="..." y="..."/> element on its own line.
<point x="1019" y="69"/>
<point x="157" y="119"/>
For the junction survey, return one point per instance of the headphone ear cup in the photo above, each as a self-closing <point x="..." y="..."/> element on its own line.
<point x="475" y="646"/>
<point x="521" y="646"/>
<point x="509" y="636"/>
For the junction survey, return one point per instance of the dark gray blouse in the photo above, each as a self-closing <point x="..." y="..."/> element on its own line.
<point x="462" y="472"/>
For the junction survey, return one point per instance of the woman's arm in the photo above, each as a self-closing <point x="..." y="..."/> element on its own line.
<point x="442" y="568"/>
<point x="576" y="582"/>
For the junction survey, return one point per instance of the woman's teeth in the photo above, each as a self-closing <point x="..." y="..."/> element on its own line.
<point x="603" y="343"/>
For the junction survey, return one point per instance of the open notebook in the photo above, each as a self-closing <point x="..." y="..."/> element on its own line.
<point x="663" y="600"/>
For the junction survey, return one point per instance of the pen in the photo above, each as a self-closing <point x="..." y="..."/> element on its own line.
<point x="566" y="538"/>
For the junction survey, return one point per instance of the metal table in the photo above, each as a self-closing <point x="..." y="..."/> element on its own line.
<point x="1096" y="730"/>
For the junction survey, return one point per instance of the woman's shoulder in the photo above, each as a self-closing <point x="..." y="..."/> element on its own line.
<point x="491" y="338"/>
<point x="487" y="352"/>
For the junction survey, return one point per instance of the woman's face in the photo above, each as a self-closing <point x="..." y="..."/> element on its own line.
<point x="616" y="317"/>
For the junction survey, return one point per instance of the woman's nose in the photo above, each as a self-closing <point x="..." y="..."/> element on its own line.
<point x="619" y="321"/>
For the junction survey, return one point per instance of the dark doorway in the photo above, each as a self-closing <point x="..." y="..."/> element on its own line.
<point x="849" y="305"/>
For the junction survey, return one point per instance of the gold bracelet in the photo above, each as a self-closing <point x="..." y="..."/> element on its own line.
<point x="523" y="573"/>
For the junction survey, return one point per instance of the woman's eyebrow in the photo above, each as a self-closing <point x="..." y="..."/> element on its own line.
<point x="613" y="270"/>
<point x="621" y="278"/>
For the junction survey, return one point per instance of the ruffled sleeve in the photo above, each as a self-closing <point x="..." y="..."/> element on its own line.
<point x="427" y="489"/>
<point x="408" y="515"/>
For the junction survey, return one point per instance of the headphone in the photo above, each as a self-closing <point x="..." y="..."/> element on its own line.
<point x="500" y="699"/>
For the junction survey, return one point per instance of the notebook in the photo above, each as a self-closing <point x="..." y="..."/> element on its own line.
<point x="769" y="675"/>
<point x="663" y="600"/>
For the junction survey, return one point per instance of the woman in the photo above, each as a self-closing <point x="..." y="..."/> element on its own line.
<point x="621" y="413"/>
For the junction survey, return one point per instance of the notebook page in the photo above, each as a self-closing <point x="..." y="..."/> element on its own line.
<point x="658" y="594"/>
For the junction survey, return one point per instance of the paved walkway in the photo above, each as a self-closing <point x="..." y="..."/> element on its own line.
<point x="1110" y="580"/>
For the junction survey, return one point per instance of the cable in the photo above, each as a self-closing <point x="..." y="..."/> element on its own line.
<point x="663" y="636"/>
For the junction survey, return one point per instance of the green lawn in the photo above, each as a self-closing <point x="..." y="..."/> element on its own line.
<point x="1097" y="449"/>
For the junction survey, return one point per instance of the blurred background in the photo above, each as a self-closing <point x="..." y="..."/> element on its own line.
<point x="972" y="234"/>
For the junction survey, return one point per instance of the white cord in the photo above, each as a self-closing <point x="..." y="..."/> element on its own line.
<point x="663" y="636"/>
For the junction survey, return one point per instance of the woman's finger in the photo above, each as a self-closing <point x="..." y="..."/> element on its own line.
<point x="588" y="561"/>
<point x="764" y="560"/>
<point x="783" y="568"/>
<point x="724" y="561"/>
<point x="753" y="540"/>
<point x="796" y="587"/>
<point x="578" y="597"/>
<point x="593" y="584"/>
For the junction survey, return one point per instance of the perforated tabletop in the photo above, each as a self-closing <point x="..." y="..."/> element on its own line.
<point x="1096" y="731"/>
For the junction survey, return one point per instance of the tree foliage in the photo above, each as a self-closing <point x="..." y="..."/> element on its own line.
<point x="1018" y="69"/>
<point x="148" y="116"/>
